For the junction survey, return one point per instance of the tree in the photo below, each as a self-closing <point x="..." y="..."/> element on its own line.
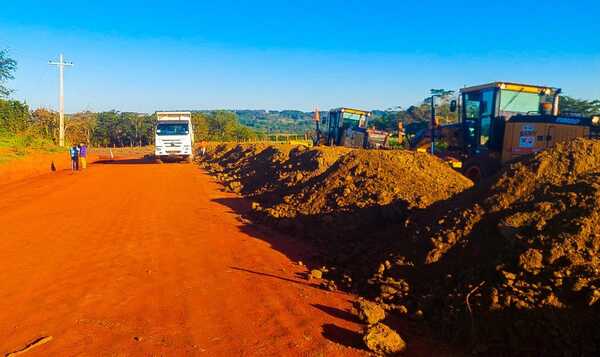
<point x="201" y="126"/>
<point x="222" y="125"/>
<point x="14" y="116"/>
<point x="80" y="127"/>
<point x="7" y="68"/>
<point x="45" y="123"/>
<point x="106" y="129"/>
<point x="579" y="106"/>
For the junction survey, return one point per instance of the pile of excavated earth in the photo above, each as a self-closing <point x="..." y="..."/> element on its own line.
<point x="508" y="267"/>
<point x="512" y="266"/>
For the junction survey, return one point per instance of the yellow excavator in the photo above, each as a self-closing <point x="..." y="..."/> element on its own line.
<point x="349" y="127"/>
<point x="501" y="121"/>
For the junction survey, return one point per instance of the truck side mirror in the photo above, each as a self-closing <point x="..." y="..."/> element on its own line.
<point x="453" y="105"/>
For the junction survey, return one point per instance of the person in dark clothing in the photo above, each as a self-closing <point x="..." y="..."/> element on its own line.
<point x="74" y="152"/>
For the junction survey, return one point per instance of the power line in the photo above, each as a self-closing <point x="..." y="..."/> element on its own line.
<point x="61" y="96"/>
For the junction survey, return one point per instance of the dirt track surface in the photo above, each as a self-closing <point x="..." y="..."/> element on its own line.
<point x="139" y="259"/>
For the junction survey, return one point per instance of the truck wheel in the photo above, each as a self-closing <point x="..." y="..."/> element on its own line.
<point x="473" y="173"/>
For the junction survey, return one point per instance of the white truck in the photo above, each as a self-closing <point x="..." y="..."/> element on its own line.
<point x="174" y="136"/>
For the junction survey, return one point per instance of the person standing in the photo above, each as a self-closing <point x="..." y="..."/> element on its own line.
<point x="74" y="152"/>
<point x="83" y="156"/>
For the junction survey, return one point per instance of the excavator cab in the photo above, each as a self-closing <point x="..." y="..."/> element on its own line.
<point x="344" y="127"/>
<point x="486" y="109"/>
<point x="501" y="121"/>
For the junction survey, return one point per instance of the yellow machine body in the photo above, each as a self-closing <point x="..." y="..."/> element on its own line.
<point x="523" y="138"/>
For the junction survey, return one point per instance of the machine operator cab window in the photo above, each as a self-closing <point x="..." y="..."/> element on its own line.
<point x="478" y="113"/>
<point x="354" y="120"/>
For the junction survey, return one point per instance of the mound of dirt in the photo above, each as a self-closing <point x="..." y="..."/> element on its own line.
<point x="365" y="178"/>
<point x="514" y="265"/>
<point x="337" y="197"/>
<point x="363" y="192"/>
<point x="265" y="172"/>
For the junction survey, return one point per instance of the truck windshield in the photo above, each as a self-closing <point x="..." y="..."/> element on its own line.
<point x="172" y="129"/>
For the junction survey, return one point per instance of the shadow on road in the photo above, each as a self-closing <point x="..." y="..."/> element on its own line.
<point x="337" y="313"/>
<point x="295" y="249"/>
<point x="275" y="277"/>
<point x="128" y="161"/>
<point x="343" y="336"/>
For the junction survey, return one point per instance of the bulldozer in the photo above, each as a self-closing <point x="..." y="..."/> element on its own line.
<point x="501" y="121"/>
<point x="349" y="127"/>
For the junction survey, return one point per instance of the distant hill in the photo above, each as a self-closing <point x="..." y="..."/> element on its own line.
<point x="274" y="121"/>
<point x="299" y="122"/>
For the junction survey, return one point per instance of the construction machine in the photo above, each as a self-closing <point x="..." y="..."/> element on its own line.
<point x="349" y="127"/>
<point x="499" y="122"/>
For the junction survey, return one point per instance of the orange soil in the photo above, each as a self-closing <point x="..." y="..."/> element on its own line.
<point x="132" y="258"/>
<point x="36" y="163"/>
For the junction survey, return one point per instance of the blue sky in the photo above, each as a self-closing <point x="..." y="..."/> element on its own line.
<point x="151" y="55"/>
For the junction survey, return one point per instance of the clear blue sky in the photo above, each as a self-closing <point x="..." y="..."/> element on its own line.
<point x="150" y="55"/>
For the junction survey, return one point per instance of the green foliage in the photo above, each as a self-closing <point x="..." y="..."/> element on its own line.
<point x="221" y="126"/>
<point x="14" y="116"/>
<point x="80" y="127"/>
<point x="115" y="128"/>
<point x="7" y="68"/>
<point x="201" y="126"/>
<point x="286" y="121"/>
<point x="13" y="146"/>
<point x="579" y="106"/>
<point x="44" y="123"/>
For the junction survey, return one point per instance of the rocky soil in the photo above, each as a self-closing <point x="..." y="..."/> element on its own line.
<point x="513" y="266"/>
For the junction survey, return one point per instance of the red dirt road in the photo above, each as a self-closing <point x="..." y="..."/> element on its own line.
<point x="151" y="260"/>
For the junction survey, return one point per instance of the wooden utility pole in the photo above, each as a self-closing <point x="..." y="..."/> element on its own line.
<point x="61" y="97"/>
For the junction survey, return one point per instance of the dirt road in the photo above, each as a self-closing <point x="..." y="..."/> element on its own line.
<point x="144" y="259"/>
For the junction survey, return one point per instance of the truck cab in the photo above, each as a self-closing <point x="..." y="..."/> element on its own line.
<point x="174" y="136"/>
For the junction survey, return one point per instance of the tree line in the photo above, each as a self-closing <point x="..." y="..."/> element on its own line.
<point x="113" y="128"/>
<point x="119" y="129"/>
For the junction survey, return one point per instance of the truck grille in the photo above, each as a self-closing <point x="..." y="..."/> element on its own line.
<point x="172" y="143"/>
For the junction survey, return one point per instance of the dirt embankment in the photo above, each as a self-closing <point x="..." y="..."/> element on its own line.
<point x="510" y="267"/>
<point x="325" y="193"/>
<point x="514" y="266"/>
<point x="338" y="198"/>
<point x="266" y="172"/>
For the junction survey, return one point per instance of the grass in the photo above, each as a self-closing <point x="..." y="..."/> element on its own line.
<point x="15" y="146"/>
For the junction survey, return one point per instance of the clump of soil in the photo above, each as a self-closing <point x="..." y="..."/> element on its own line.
<point x="383" y="341"/>
<point x="514" y="265"/>
<point x="369" y="312"/>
